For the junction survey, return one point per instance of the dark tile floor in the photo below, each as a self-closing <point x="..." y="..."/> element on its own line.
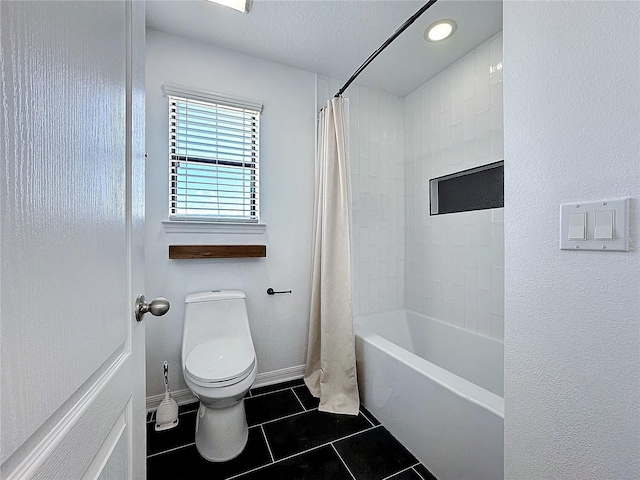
<point x="289" y="439"/>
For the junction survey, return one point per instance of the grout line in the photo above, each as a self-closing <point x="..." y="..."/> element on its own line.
<point x="405" y="470"/>
<point x="417" y="472"/>
<point x="280" y="418"/>
<point x="302" y="452"/>
<point x="267" y="442"/>
<point x="367" y="417"/>
<point x="343" y="462"/>
<point x="277" y="461"/>
<point x="354" y="434"/>
<point x="328" y="443"/>
<point x="170" y="450"/>
<point x="254" y="395"/>
<point x="190" y="411"/>
<point x="298" y="398"/>
<point x="195" y="409"/>
<point x="248" y="471"/>
<point x="307" y="411"/>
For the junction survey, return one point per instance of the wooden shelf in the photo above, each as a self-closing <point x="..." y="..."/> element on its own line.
<point x="179" y="252"/>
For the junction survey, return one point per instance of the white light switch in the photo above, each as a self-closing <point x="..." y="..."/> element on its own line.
<point x="577" y="226"/>
<point x="604" y="221"/>
<point x="602" y="226"/>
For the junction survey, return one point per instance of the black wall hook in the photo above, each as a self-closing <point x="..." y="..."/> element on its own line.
<point x="271" y="291"/>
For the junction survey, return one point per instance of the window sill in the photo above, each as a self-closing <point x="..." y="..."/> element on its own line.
<point x="180" y="226"/>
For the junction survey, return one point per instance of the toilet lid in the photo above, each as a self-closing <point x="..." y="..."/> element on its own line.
<point x="220" y="360"/>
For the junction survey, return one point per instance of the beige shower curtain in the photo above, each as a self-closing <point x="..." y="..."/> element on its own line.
<point x="331" y="360"/>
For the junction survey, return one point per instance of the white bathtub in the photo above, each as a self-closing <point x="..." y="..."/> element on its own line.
<point x="437" y="388"/>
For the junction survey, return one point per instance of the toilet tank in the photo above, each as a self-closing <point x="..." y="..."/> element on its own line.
<point x="214" y="315"/>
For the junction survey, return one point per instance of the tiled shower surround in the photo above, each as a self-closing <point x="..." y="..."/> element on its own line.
<point x="450" y="266"/>
<point x="376" y="155"/>
<point x="377" y="184"/>
<point x="454" y="264"/>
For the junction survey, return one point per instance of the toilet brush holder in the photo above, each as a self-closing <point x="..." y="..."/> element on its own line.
<point x="167" y="412"/>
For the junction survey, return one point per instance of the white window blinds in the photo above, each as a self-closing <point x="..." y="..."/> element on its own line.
<point x="213" y="159"/>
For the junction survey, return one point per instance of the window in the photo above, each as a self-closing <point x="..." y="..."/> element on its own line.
<point x="213" y="157"/>
<point x="474" y="189"/>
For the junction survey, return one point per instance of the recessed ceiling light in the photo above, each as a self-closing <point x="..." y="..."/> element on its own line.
<point x="440" y="30"/>
<point x="240" y="5"/>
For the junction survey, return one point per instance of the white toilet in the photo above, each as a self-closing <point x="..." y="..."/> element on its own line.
<point x="219" y="366"/>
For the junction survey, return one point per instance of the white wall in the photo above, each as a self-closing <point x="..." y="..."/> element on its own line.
<point x="572" y="332"/>
<point x="280" y="323"/>
<point x="376" y="155"/>
<point x="454" y="267"/>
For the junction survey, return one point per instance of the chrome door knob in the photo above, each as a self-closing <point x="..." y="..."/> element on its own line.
<point x="157" y="306"/>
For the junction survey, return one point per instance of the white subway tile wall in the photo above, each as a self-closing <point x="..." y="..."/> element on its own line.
<point x="450" y="266"/>
<point x="376" y="151"/>
<point x="455" y="262"/>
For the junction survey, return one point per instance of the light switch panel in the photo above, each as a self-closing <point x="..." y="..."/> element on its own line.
<point x="602" y="226"/>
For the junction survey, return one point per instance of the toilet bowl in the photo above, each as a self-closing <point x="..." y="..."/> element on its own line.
<point x="219" y="367"/>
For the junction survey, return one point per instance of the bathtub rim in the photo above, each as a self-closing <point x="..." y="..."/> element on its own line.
<point x="452" y="382"/>
<point x="407" y="311"/>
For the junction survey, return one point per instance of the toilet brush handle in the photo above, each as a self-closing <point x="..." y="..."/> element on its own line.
<point x="166" y="374"/>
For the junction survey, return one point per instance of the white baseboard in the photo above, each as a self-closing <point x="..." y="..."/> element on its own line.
<point x="278" y="376"/>
<point x="185" y="396"/>
<point x="182" y="397"/>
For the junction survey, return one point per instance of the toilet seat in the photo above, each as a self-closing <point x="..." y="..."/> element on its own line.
<point x="220" y="363"/>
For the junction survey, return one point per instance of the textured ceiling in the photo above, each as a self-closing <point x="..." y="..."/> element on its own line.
<point x="334" y="37"/>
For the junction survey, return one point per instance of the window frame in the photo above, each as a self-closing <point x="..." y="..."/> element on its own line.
<point x="181" y="223"/>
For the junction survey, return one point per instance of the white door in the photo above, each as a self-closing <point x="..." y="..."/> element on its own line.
<point x="72" y="116"/>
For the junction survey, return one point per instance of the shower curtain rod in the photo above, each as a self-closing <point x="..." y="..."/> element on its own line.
<point x="366" y="63"/>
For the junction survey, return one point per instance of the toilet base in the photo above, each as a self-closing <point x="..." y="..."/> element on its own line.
<point x="221" y="433"/>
